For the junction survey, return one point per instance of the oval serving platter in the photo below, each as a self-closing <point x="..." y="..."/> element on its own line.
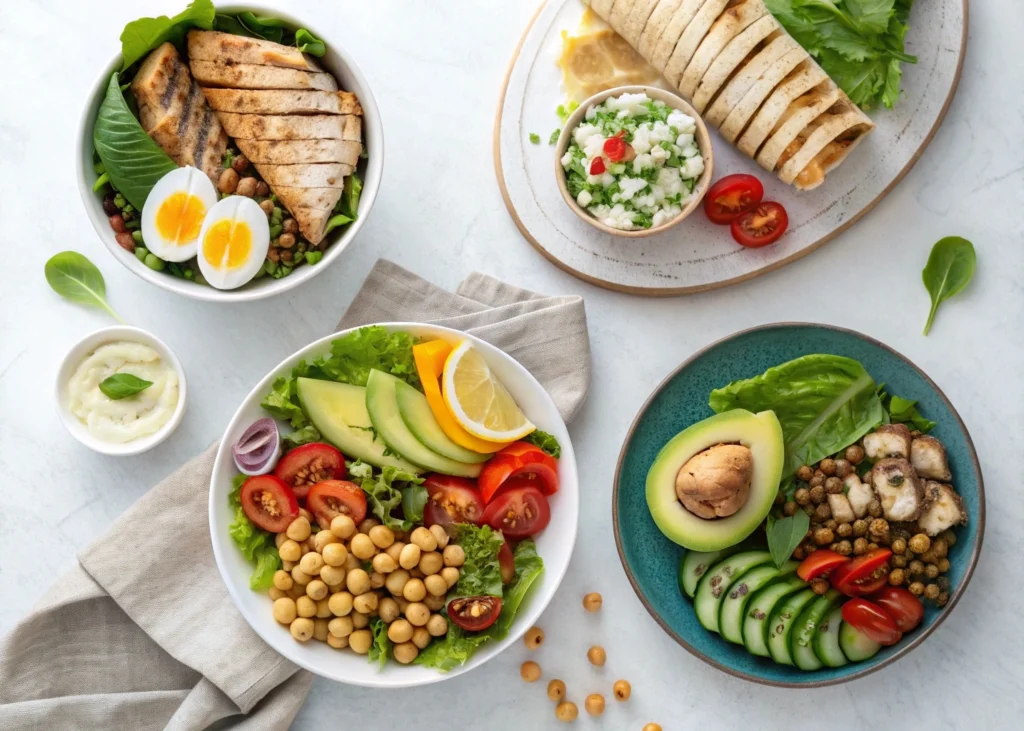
<point x="651" y="561"/>
<point x="696" y="255"/>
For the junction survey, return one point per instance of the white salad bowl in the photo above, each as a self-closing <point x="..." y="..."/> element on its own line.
<point x="344" y="69"/>
<point x="554" y="544"/>
<point x="71" y="362"/>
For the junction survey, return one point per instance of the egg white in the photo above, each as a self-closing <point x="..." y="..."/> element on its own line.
<point x="235" y="208"/>
<point x="186" y="180"/>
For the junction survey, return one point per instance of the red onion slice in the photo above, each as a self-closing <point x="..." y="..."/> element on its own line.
<point x="258" y="449"/>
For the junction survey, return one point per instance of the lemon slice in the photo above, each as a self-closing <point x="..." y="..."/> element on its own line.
<point x="478" y="401"/>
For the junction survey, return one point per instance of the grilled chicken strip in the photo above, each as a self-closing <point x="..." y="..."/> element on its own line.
<point x="292" y="127"/>
<point x="288" y="152"/>
<point x="251" y="76"/>
<point x="282" y="101"/>
<point x="842" y="508"/>
<point x="890" y="440"/>
<point x="859" y="494"/>
<point x="945" y="509"/>
<point x="211" y="45"/>
<point x="899" y="489"/>
<point x="929" y="459"/>
<point x="312" y="175"/>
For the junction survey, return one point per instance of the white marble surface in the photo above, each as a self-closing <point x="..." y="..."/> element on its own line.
<point x="435" y="69"/>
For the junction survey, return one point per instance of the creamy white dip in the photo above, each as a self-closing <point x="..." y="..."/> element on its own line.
<point x="127" y="419"/>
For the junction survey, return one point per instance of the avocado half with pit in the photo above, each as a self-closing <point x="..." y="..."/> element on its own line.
<point x="714" y="482"/>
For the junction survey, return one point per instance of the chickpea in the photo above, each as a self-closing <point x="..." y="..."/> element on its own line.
<point x="948" y="536"/>
<point x="267" y="207"/>
<point x="423" y="538"/>
<point x="276" y="593"/>
<point x="940" y="548"/>
<point x="302" y="629"/>
<point x="387" y="609"/>
<point x="300" y="577"/>
<point x="622" y="690"/>
<point x="566" y="711"/>
<point x="437" y="625"/>
<point x="396" y="581"/>
<point x="382" y="536"/>
<point x="899" y="561"/>
<point x="454" y="555"/>
<point x="323" y="609"/>
<point x="592" y="602"/>
<point x="360" y="641"/>
<point x="351" y="562"/>
<point x="316" y="589"/>
<point x="828" y="466"/>
<point x="311" y="563"/>
<point x="594" y="704"/>
<point x="942" y="565"/>
<point x="405" y="652"/>
<point x="384" y="564"/>
<point x="450" y="574"/>
<point x="843" y="468"/>
<point x="320" y="630"/>
<point x="340" y="626"/>
<point x="332" y="576"/>
<point x="431" y="563"/>
<point x="410" y="556"/>
<point x="395" y="550"/>
<point x="529" y="671"/>
<point x="296" y="591"/>
<point x="357" y="582"/>
<point x="819" y="586"/>
<point x="343" y="526"/>
<point x="802" y="496"/>
<point x="306" y="546"/>
<point x="338" y="643"/>
<point x="440" y="535"/>
<point x="228" y="181"/>
<point x="246" y="187"/>
<point x="284" y="610"/>
<point x="804" y="473"/>
<point x="860" y="527"/>
<point x="290" y="226"/>
<point x="817" y="480"/>
<point x="872" y="546"/>
<point x="833" y="485"/>
<point x="916" y="588"/>
<point x="435" y="585"/>
<point x="597" y="655"/>
<point x="417" y="614"/>
<point x="878" y="530"/>
<point x="897" y="577"/>
<point x="289" y="550"/>
<point x="377" y="579"/>
<point x="556" y="690"/>
<point x="414" y="590"/>
<point x="844" y="530"/>
<point x="823" y="512"/>
<point x="931" y="570"/>
<point x="790" y="508"/>
<point x="817" y="494"/>
<point x="359" y="621"/>
<point x="855" y="454"/>
<point x="322" y="539"/>
<point x="434" y="603"/>
<point x="651" y="727"/>
<point x="282" y="580"/>
<point x="299" y="530"/>
<point x="305" y="606"/>
<point x="306" y="514"/>
<point x="799" y="554"/>
<point x="534" y="638"/>
<point x="420" y="637"/>
<point x="400" y="630"/>
<point x="367" y="524"/>
<point x="823" y="536"/>
<point x="362" y="547"/>
<point x="932" y="592"/>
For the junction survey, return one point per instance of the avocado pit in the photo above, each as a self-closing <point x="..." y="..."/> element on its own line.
<point x="715" y="483"/>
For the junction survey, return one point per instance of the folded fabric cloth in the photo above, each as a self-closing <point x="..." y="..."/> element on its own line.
<point x="142" y="633"/>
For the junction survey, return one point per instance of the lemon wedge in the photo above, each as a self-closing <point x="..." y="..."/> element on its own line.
<point x="478" y="401"/>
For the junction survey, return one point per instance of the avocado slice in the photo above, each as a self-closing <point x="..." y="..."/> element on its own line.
<point x="755" y="438"/>
<point x="338" y="411"/>
<point x="382" y="404"/>
<point x="714" y="586"/>
<point x="418" y="416"/>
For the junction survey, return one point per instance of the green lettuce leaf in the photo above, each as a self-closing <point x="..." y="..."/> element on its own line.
<point x="143" y="35"/>
<point x="481" y="572"/>
<point x="529" y="567"/>
<point x="384" y="491"/>
<point x="255" y="544"/>
<point x="824" y="403"/>
<point x="308" y="43"/>
<point x="283" y="402"/>
<point x="546" y="442"/>
<point x="414" y="500"/>
<point x="452" y="650"/>
<point x="380" y="650"/>
<point x="904" y="411"/>
<point x="353" y="357"/>
<point x="297" y="438"/>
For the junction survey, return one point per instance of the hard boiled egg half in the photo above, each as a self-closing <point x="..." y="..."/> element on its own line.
<point x="233" y="242"/>
<point x="173" y="214"/>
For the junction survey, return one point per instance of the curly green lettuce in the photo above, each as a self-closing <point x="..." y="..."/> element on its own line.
<point x="380" y="650"/>
<point x="255" y="544"/>
<point x="481" y="571"/>
<point x="385" y="491"/>
<point x="545" y="441"/>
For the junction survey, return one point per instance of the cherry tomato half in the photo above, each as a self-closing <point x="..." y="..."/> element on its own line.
<point x="507" y="562"/>
<point x="905" y="608"/>
<point x="731" y="196"/>
<point x="872" y="620"/>
<point x="519" y="512"/>
<point x="269" y="502"/>
<point x="862" y="575"/>
<point x="327" y="500"/>
<point x="474" y="613"/>
<point x="597" y="166"/>
<point x="819" y="563"/>
<point x="309" y="464"/>
<point x="515" y="460"/>
<point x="452" y="500"/>
<point x="760" y="226"/>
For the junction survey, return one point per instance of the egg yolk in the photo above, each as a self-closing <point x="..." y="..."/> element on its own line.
<point x="227" y="244"/>
<point x="180" y="218"/>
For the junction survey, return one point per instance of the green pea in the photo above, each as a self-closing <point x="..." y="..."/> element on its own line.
<point x="128" y="208"/>
<point x="275" y="230"/>
<point x="140" y="253"/>
<point x="99" y="167"/>
<point x="297" y="258"/>
<point x="314" y="257"/>
<point x="119" y="201"/>
<point x="277" y="215"/>
<point x="132" y="224"/>
<point x="137" y="235"/>
<point x="154" y="263"/>
<point x="269" y="266"/>
<point x="189" y="274"/>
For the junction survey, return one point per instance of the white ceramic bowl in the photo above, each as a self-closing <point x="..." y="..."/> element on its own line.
<point x="338" y="62"/>
<point x="554" y="544"/>
<point x="79" y="352"/>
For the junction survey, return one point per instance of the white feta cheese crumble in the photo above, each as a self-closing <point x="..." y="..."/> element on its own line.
<point x="584" y="198"/>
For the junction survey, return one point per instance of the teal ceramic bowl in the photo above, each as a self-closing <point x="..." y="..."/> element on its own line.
<point x="651" y="560"/>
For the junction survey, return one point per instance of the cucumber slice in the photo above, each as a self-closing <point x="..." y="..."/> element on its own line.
<point x="855" y="644"/>
<point x="802" y="638"/>
<point x="695" y="564"/>
<point x="716" y="582"/>
<point x="783" y="619"/>
<point x="755" y="616"/>
<point x="730" y="615"/>
<point x="826" y="640"/>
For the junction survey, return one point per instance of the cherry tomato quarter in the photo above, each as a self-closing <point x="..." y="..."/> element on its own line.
<point x="597" y="166"/>
<point x="327" y="500"/>
<point x="474" y="613"/>
<point x="309" y="464"/>
<point x="862" y="575"/>
<point x="269" y="502"/>
<point x="731" y="196"/>
<point x="905" y="608"/>
<point x="519" y="512"/>
<point x="819" y="563"/>
<point x="452" y="500"/>
<point x="507" y="562"/>
<point x="872" y="620"/>
<point x="761" y="225"/>
<point x="519" y="459"/>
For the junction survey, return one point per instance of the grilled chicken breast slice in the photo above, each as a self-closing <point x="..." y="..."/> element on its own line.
<point x="211" y="45"/>
<point x="311" y="175"/>
<point x="287" y="152"/>
<point x="899" y="489"/>
<point x="251" y="76"/>
<point x="313" y="198"/>
<point x="292" y="126"/>
<point x="890" y="440"/>
<point x="929" y="459"/>
<point x="944" y="510"/>
<point x="282" y="101"/>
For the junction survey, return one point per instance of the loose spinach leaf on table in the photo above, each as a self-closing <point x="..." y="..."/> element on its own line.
<point x="785" y="534"/>
<point x="143" y="35"/>
<point x="949" y="269"/>
<point x="123" y="385"/>
<point x="76" y="279"/>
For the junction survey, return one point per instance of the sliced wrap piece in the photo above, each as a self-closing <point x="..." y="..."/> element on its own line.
<point x="691" y="39"/>
<point x="678" y="23"/>
<point x="732" y="57"/>
<point x="659" y="21"/>
<point x="286" y="152"/>
<point x="775" y="47"/>
<point x="292" y="127"/>
<point x="728" y="25"/>
<point x="251" y="76"/>
<point x="797" y="117"/>
<point x="282" y="101"/>
<point x="838" y="131"/>
<point x="211" y="45"/>
<point x="805" y="76"/>
<point x="636" y="21"/>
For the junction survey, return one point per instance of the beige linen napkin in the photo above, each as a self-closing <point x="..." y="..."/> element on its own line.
<point x="155" y="642"/>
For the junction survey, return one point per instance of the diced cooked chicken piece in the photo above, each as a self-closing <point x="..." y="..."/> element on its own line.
<point x="842" y="509"/>
<point x="313" y="175"/>
<point x="859" y="494"/>
<point x="292" y="127"/>
<point x="316" y="198"/>
<point x="890" y="440"/>
<point x="929" y="459"/>
<point x="251" y="76"/>
<point x="290" y="152"/>
<point x="944" y="510"/>
<point x="175" y="114"/>
<point x="282" y="101"/>
<point x="898" y="487"/>
<point x="210" y="45"/>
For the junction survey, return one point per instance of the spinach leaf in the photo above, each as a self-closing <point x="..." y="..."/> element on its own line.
<point x="545" y="441"/>
<point x="949" y="269"/>
<point x="308" y="43"/>
<point x="75" y="278"/>
<point x="255" y="544"/>
<point x="338" y="219"/>
<point x="143" y="35"/>
<point x="133" y="161"/>
<point x="481" y="572"/>
<point x="785" y="534"/>
<point x="824" y="403"/>
<point x="122" y="385"/>
<point x="904" y="411"/>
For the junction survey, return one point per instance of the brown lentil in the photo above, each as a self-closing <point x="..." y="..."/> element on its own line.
<point x="860" y="527"/>
<point x="817" y="494"/>
<point x="931" y="571"/>
<point x="286" y="241"/>
<point x="823" y="536"/>
<point x="239" y="163"/>
<point x="872" y="546"/>
<point x="916" y="567"/>
<point x="828" y="466"/>
<point x="227" y="183"/>
<point x="897" y="577"/>
<point x="843" y="468"/>
<point x="789" y="509"/>
<point x="899" y="562"/>
<point x="831" y="524"/>
<point x="898" y="546"/>
<point x="845" y="530"/>
<point x="844" y="548"/>
<point x="940" y="548"/>
<point x="819" y="585"/>
<point x="808" y="510"/>
<point x="860" y="546"/>
<point x="267" y="207"/>
<point x="879" y="530"/>
<point x="290" y="226"/>
<point x="823" y="512"/>
<point x="246" y="187"/>
<point x="262" y="189"/>
<point x="833" y="486"/>
<point x="804" y="473"/>
<point x="799" y="554"/>
<point x="817" y="479"/>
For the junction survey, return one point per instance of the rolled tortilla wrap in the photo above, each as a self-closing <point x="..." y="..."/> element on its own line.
<point x="827" y="146"/>
<point x="691" y="38"/>
<point x="803" y="75"/>
<point x="678" y="23"/>
<point x="736" y="88"/>
<point x="728" y="25"/>
<point x="602" y="7"/>
<point x="620" y="10"/>
<point x="730" y="59"/>
<point x="637" y="19"/>
<point x="656" y="25"/>
<point x="800" y="113"/>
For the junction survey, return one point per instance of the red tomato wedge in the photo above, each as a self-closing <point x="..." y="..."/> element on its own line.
<point x="597" y="166"/>
<point x="452" y="500"/>
<point x="269" y="503"/>
<point x="872" y="620"/>
<point x="327" y="500"/>
<point x="731" y="196"/>
<point x="309" y="464"/>
<point x="862" y="575"/>
<point x="519" y="512"/>
<point x="507" y="562"/>
<point x="905" y="608"/>
<point x="519" y="459"/>
<point x="474" y="613"/>
<point x="819" y="563"/>
<point x="760" y="226"/>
